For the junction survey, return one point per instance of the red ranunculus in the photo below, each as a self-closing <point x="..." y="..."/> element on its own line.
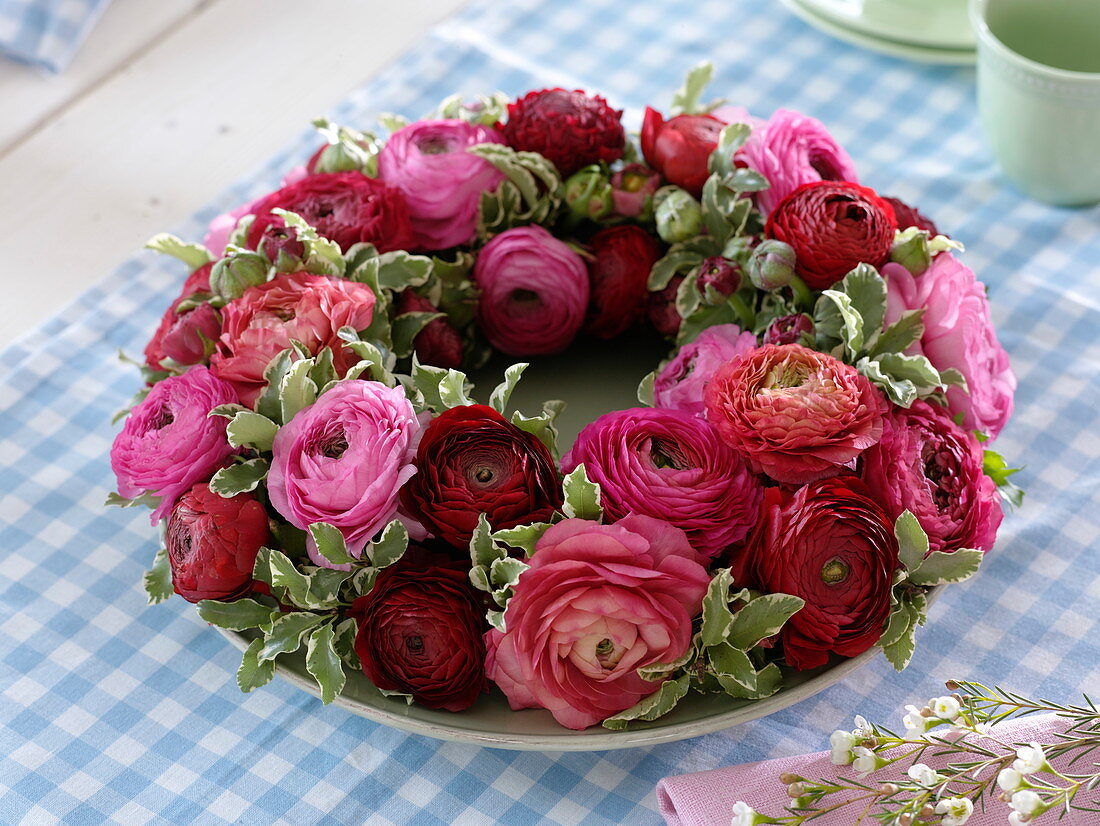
<point x="908" y="216"/>
<point x="472" y="460"/>
<point x="177" y="337"/>
<point x="438" y="344"/>
<point x="832" y="545"/>
<point x="570" y="129"/>
<point x="833" y="226"/>
<point x="212" y="543"/>
<point x="421" y="632"/>
<point x="679" y="148"/>
<point x="661" y="308"/>
<point x="624" y="255"/>
<point x="345" y="207"/>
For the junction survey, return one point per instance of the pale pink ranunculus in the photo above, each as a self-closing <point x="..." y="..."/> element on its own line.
<point x="217" y="234"/>
<point x="293" y="306"/>
<point x="169" y="442"/>
<point x="792" y="149"/>
<point x="927" y="464"/>
<point x="343" y="460"/>
<point x="679" y="385"/>
<point x="442" y="182"/>
<point x="958" y="333"/>
<point x="671" y="465"/>
<point x="534" y="292"/>
<point x="598" y="603"/>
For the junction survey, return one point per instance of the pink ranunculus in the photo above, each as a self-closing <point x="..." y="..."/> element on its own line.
<point x="680" y="383"/>
<point x="293" y="306"/>
<point x="958" y="333"/>
<point x="442" y="182"/>
<point x="343" y="460"/>
<point x="671" y="465"/>
<point x="792" y="149"/>
<point x="794" y="413"/>
<point x="598" y="603"/>
<point x="534" y="292"/>
<point x="169" y="442"/>
<point x="927" y="464"/>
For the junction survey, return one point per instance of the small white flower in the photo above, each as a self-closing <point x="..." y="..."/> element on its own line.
<point x="946" y="708"/>
<point x="865" y="761"/>
<point x="842" y="742"/>
<point x="863" y="728"/>
<point x="955" y="810"/>
<point x="1010" y="780"/>
<point x="924" y="775"/>
<point x="1031" y="759"/>
<point x="1016" y="819"/>
<point x="743" y="814"/>
<point x="1026" y="802"/>
<point x="915" y="724"/>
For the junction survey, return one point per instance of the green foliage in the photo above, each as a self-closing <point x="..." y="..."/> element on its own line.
<point x="158" y="579"/>
<point x="582" y="496"/>
<point x="531" y="192"/>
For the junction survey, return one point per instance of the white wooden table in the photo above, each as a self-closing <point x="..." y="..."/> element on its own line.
<point x="166" y="103"/>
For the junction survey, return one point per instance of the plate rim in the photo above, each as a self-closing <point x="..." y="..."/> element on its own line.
<point x="860" y="24"/>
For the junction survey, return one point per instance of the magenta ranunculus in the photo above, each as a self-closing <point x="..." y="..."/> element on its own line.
<point x="671" y="465"/>
<point x="343" y="460"/>
<point x="927" y="464"/>
<point x="958" y="333"/>
<point x="792" y="149"/>
<point x="169" y="441"/>
<point x="442" y="182"/>
<point x="534" y="292"/>
<point x="679" y="385"/>
<point x="598" y="603"/>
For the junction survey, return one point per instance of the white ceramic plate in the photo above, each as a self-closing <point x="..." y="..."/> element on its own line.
<point x="938" y="24"/>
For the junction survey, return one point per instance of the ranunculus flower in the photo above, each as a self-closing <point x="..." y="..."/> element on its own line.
<point x="217" y="234"/>
<point x="570" y="129"/>
<point x="345" y="207"/>
<point x="794" y="413"/>
<point x="534" y="292"/>
<point x="619" y="270"/>
<point x="438" y="344"/>
<point x="421" y="632"/>
<point x="472" y="460"/>
<point x="790" y="329"/>
<point x="661" y="308"/>
<point x="680" y="147"/>
<point x="442" y="182"/>
<point x="673" y="466"/>
<point x="293" y="306"/>
<point x="679" y="385"/>
<point x="833" y="226"/>
<point x="927" y="464"/>
<point x="598" y="603"/>
<point x="792" y="149"/>
<point x="832" y="545"/>
<point x="632" y="189"/>
<point x="169" y="442"/>
<point x="908" y="216"/>
<point x="343" y="460"/>
<point x="178" y="335"/>
<point x="958" y="333"/>
<point x="212" y="543"/>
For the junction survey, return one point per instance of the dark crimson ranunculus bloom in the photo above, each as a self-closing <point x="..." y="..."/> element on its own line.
<point x="471" y="460"/>
<point x="570" y="129"/>
<point x="345" y="207"/>
<point x="908" y="216"/>
<point x="661" y="308"/>
<point x="680" y="147"/>
<point x="212" y="543"/>
<point x="623" y="257"/>
<point x="177" y="334"/>
<point x="833" y="226"/>
<point x="421" y="632"/>
<point x="438" y="344"/>
<point x="831" y="544"/>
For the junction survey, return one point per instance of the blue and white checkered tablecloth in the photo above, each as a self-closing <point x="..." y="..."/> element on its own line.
<point x="46" y="33"/>
<point x="114" y="712"/>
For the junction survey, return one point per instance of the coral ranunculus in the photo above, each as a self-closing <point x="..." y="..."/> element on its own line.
<point x="679" y="385"/>
<point x="472" y="460"/>
<point x="623" y="257"/>
<point x="570" y="129"/>
<point x="680" y="147"/>
<point x="598" y="603"/>
<point x="794" y="413"/>
<point x="832" y="545"/>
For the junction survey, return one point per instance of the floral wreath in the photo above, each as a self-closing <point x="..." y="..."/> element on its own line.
<point x="802" y="469"/>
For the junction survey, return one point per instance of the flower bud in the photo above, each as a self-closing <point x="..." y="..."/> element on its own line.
<point x="796" y="790"/>
<point x="280" y="246"/>
<point x="772" y="265"/>
<point x="721" y="274"/>
<point x="231" y="276"/>
<point x="790" y="329"/>
<point x="787" y="778"/>
<point x="951" y="685"/>
<point x="910" y="249"/>
<point x="632" y="189"/>
<point x="588" y="193"/>
<point x="888" y="789"/>
<point x="679" y="216"/>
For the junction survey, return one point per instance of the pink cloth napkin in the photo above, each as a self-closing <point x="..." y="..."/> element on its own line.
<point x="707" y="798"/>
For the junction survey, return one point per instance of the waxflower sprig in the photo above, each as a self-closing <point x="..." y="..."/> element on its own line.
<point x="981" y="769"/>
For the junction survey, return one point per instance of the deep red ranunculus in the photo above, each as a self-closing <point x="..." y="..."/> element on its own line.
<point x="570" y="129"/>
<point x="177" y="336"/>
<point x="439" y="343"/>
<point x="345" y="207"/>
<point x="908" y="216"/>
<point x="661" y="308"/>
<point x="212" y="543"/>
<point x="832" y="545"/>
<point x="421" y="632"/>
<point x="833" y="226"/>
<point x="618" y="273"/>
<point x="472" y="460"/>
<point x="680" y="147"/>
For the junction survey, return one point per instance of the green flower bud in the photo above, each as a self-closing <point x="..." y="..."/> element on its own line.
<point x="772" y="265"/>
<point x="588" y="193"/>
<point x="911" y="250"/>
<point x="678" y="215"/>
<point x="231" y="276"/>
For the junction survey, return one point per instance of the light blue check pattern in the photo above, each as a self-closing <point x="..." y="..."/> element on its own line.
<point x="114" y="712"/>
<point x="46" y="33"/>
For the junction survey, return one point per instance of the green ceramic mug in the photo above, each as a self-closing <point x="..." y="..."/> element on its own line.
<point x="1039" y="94"/>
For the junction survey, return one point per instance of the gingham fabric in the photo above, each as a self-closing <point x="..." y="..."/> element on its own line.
<point x="115" y="712"/>
<point x="46" y="33"/>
